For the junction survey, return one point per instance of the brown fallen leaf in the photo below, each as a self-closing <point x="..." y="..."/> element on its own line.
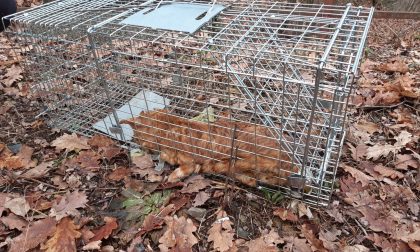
<point x="396" y="66"/>
<point x="94" y="245"/>
<point x="23" y="159"/>
<point x="382" y="242"/>
<point x="13" y="221"/>
<point x="404" y="161"/>
<point x="3" y="197"/>
<point x="143" y="161"/>
<point x="369" y="127"/>
<point x="407" y="233"/>
<point x="194" y="184"/>
<point x="38" y="171"/>
<point x="358" y="175"/>
<point x="304" y="210"/>
<point x="110" y="152"/>
<point x="285" y="214"/>
<point x="384" y="98"/>
<point x="89" y="160"/>
<point x="178" y="235"/>
<point x="296" y="244"/>
<point x="355" y="248"/>
<point x="68" y="205"/>
<point x="415" y="246"/>
<point x="358" y="152"/>
<point x="149" y="174"/>
<point x="414" y="207"/>
<point x="33" y="235"/>
<point x="64" y="238"/>
<point x="404" y="86"/>
<point x="221" y="232"/>
<point x="335" y="213"/>
<point x="18" y="205"/>
<point x="329" y="238"/>
<point x="377" y="151"/>
<point x="374" y="217"/>
<point x="119" y="174"/>
<point x="153" y="222"/>
<point x="13" y="74"/>
<point x="309" y="233"/>
<point x="367" y="66"/>
<point x="388" y="172"/>
<point x="59" y="182"/>
<point x="267" y="242"/>
<point x="100" y="141"/>
<point x="106" y="230"/>
<point x="87" y="234"/>
<point x="71" y="142"/>
<point x="200" y="198"/>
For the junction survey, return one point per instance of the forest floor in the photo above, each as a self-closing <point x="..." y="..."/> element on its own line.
<point x="63" y="192"/>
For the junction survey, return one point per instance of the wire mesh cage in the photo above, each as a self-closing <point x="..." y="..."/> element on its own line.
<point x="257" y="91"/>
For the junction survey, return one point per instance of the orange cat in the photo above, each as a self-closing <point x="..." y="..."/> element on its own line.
<point x="208" y="147"/>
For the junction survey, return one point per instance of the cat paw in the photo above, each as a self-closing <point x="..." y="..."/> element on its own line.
<point x="176" y="175"/>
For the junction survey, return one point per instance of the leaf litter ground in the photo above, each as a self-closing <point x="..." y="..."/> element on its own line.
<point x="63" y="192"/>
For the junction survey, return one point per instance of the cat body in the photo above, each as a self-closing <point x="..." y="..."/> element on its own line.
<point x="202" y="147"/>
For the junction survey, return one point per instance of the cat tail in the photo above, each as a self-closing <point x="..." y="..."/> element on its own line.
<point x="130" y="121"/>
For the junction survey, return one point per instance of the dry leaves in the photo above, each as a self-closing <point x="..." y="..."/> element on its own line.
<point x="178" y="235"/>
<point x="64" y="238"/>
<point x="309" y="233"/>
<point x="13" y="74"/>
<point x="33" y="235"/>
<point x="18" y="205"/>
<point x="88" y="160"/>
<point x="285" y="214"/>
<point x="388" y="172"/>
<point x="194" y="184"/>
<point x="13" y="221"/>
<point x="106" y="230"/>
<point x="143" y="161"/>
<point x="396" y="66"/>
<point x="377" y="151"/>
<point x="358" y="175"/>
<point x="221" y="232"/>
<point x="403" y="162"/>
<point x="71" y="142"/>
<point x="23" y="159"/>
<point x="266" y="243"/>
<point x="100" y="141"/>
<point x="119" y="174"/>
<point x="200" y="198"/>
<point x="95" y="245"/>
<point x="38" y="171"/>
<point x="68" y="205"/>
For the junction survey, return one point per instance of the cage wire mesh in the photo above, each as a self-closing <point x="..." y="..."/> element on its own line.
<point x="254" y="90"/>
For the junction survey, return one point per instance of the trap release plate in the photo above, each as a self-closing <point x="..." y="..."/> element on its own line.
<point x="182" y="17"/>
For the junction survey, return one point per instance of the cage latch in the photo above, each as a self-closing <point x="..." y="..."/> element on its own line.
<point x="296" y="181"/>
<point x="115" y="130"/>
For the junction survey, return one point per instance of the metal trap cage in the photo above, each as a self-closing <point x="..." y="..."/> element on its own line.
<point x="254" y="90"/>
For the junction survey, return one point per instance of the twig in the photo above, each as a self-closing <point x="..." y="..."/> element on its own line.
<point x="381" y="106"/>
<point x="241" y="189"/>
<point x="361" y="227"/>
<point x="41" y="182"/>
<point x="199" y="227"/>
